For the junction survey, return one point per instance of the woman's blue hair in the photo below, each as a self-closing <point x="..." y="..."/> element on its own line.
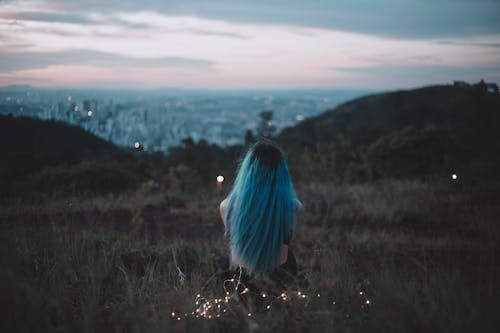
<point x="261" y="209"/>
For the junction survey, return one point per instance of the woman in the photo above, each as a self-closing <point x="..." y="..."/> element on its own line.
<point x="260" y="212"/>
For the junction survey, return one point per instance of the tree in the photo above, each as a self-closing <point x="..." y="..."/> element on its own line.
<point x="265" y="126"/>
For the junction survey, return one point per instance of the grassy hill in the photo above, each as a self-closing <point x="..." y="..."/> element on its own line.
<point x="393" y="255"/>
<point x="417" y="133"/>
<point x="50" y="157"/>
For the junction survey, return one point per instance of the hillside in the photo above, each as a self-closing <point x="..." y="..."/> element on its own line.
<point x="48" y="156"/>
<point x="405" y="133"/>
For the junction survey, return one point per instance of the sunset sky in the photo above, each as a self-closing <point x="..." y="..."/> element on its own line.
<point x="248" y="44"/>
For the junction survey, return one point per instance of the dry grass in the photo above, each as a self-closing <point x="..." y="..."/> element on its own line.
<point x="392" y="241"/>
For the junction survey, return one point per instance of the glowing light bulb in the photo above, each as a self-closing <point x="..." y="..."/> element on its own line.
<point x="268" y="307"/>
<point x="220" y="179"/>
<point x="367" y="301"/>
<point x="454" y="176"/>
<point x="137" y="145"/>
<point x="173" y="314"/>
<point x="249" y="314"/>
<point x="89" y="113"/>
<point x="264" y="295"/>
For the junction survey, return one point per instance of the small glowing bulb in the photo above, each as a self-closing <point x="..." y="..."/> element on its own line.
<point x="299" y="293"/>
<point x="89" y="113"/>
<point x="454" y="176"/>
<point x="264" y="295"/>
<point x="283" y="295"/>
<point x="249" y="314"/>
<point x="319" y="295"/>
<point x="367" y="301"/>
<point x="268" y="307"/>
<point x="173" y="314"/>
<point x="220" y="179"/>
<point x="361" y="293"/>
<point x="137" y="145"/>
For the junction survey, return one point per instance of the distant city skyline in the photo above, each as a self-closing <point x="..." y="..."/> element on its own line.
<point x="248" y="44"/>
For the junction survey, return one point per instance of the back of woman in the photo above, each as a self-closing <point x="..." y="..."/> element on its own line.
<point x="260" y="212"/>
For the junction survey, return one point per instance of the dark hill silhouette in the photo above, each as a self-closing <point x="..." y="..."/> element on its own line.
<point x="49" y="156"/>
<point x="31" y="144"/>
<point x="405" y="133"/>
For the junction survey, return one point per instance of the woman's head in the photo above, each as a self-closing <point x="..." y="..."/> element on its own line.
<point x="261" y="208"/>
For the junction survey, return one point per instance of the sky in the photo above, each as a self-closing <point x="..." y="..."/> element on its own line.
<point x="258" y="44"/>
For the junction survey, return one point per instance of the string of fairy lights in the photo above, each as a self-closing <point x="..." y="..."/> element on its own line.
<point x="235" y="289"/>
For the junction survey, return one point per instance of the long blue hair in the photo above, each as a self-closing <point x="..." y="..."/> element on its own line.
<point x="261" y="209"/>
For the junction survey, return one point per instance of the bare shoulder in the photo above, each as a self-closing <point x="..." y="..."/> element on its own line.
<point x="223" y="204"/>
<point x="222" y="210"/>
<point x="299" y="204"/>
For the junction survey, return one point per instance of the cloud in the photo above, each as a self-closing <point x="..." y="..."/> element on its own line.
<point x="46" y="17"/>
<point x="469" y="43"/>
<point x="14" y="61"/>
<point x="395" y="18"/>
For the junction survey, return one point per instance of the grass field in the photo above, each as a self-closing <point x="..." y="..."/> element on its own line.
<point x="391" y="256"/>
